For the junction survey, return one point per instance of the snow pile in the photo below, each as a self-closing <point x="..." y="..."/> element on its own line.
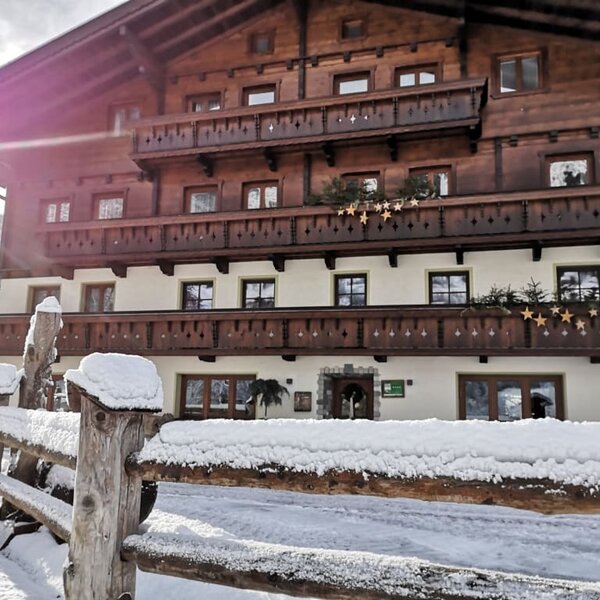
<point x="563" y="452"/>
<point x="58" y="432"/>
<point x="9" y="378"/>
<point x="119" y="381"/>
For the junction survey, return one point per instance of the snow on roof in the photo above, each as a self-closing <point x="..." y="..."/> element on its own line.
<point x="119" y="381"/>
<point x="9" y="378"/>
<point x="50" y="304"/>
<point x="564" y="452"/>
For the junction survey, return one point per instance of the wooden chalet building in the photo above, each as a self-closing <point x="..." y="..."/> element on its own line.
<point x="168" y="167"/>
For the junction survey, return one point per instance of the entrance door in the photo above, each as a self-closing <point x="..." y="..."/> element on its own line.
<point x="353" y="398"/>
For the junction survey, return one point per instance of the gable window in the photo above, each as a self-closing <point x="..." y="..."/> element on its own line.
<point x="510" y="397"/>
<point x="261" y="194"/>
<point x="39" y="292"/>
<point x="417" y="75"/>
<point x="578" y="284"/>
<point x="99" y="297"/>
<point x="351" y="290"/>
<point x="56" y="211"/>
<point x="263" y="94"/>
<point x="519" y="73"/>
<point x="203" y="102"/>
<point x="109" y="207"/>
<point x="216" y="397"/>
<point x="122" y="113"/>
<point x="353" y="29"/>
<point x="262" y="43"/>
<point x="438" y="179"/>
<point x="449" y="287"/>
<point x="352" y="83"/>
<point x="201" y="200"/>
<point x="570" y="170"/>
<point x="197" y="295"/>
<point x="258" y="293"/>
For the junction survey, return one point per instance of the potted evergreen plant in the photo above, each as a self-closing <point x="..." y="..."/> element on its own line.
<point x="267" y="392"/>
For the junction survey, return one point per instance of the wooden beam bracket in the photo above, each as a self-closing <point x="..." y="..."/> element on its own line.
<point x="329" y="153"/>
<point x="206" y="164"/>
<point x="222" y="264"/>
<point x="119" y="269"/>
<point x="271" y="159"/>
<point x="209" y="358"/>
<point x="278" y="261"/>
<point x="392" y="144"/>
<point x="166" y="267"/>
<point x="329" y="259"/>
<point x="460" y="255"/>
<point x="393" y="258"/>
<point x="380" y="358"/>
<point x="536" y="251"/>
<point x="289" y="357"/>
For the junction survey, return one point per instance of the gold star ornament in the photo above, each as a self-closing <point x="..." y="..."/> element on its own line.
<point x="386" y="214"/>
<point x="341" y="212"/>
<point x="364" y="217"/>
<point x="555" y="310"/>
<point x="566" y="316"/>
<point x="527" y="314"/>
<point x="398" y="206"/>
<point x="386" y="205"/>
<point x="593" y="312"/>
<point x="580" y="324"/>
<point x="541" y="321"/>
<point x="378" y="207"/>
<point x="351" y="210"/>
<point x="414" y="203"/>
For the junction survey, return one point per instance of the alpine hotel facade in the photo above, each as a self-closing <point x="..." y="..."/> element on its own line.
<point x="223" y="187"/>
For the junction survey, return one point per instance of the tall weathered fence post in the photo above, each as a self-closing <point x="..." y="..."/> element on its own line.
<point x="106" y="506"/>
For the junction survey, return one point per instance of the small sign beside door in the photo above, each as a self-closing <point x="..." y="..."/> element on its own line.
<point x="302" y="401"/>
<point x="392" y="388"/>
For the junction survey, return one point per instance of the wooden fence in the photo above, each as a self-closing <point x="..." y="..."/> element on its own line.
<point x="105" y="546"/>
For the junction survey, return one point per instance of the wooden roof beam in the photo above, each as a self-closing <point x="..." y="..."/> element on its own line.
<point x="179" y="16"/>
<point x="148" y="64"/>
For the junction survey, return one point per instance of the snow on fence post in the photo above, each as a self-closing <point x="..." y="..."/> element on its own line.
<point x="115" y="391"/>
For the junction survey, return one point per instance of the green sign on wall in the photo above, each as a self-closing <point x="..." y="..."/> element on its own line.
<point x="392" y="388"/>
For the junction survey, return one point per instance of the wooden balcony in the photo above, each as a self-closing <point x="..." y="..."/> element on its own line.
<point x="378" y="331"/>
<point x="453" y="105"/>
<point x="551" y="217"/>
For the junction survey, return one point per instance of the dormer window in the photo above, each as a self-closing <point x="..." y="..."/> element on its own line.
<point x="203" y="102"/>
<point x="262" y="43"/>
<point x="352" y="83"/>
<point x="263" y="94"/>
<point x="353" y="29"/>
<point x="417" y="75"/>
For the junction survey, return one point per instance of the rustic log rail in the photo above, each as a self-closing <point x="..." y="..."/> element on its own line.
<point x="455" y="104"/>
<point x="382" y="330"/>
<point x="552" y="217"/>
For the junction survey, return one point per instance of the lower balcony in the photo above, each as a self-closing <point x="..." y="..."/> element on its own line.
<point x="378" y="331"/>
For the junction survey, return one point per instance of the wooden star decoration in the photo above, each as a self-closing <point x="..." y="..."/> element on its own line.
<point x="555" y="310"/>
<point x="351" y="209"/>
<point x="527" y="314"/>
<point x="593" y="312"/>
<point x="378" y="207"/>
<point x="414" y="203"/>
<point x="386" y="214"/>
<point x="386" y="205"/>
<point x="541" y="321"/>
<point x="364" y="217"/>
<point x="398" y="206"/>
<point x="580" y="324"/>
<point x="566" y="316"/>
<point x="341" y="211"/>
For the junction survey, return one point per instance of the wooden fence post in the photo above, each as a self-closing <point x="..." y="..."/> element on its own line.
<point x="106" y="507"/>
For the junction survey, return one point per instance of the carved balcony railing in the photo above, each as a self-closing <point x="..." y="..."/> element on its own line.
<point x="558" y="216"/>
<point x="440" y="106"/>
<point x="378" y="331"/>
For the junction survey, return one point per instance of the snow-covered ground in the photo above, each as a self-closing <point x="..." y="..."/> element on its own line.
<point x="460" y="535"/>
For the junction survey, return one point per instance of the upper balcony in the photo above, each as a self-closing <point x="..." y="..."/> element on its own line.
<point x="551" y="217"/>
<point x="452" y="105"/>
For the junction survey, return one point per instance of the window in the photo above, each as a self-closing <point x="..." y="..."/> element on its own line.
<point x="203" y="102"/>
<point x="109" y="207"/>
<point x="56" y="211"/>
<point x="449" y="288"/>
<point x="353" y="28"/>
<point x="367" y="182"/>
<point x="258" y="293"/>
<point x="99" y="297"/>
<point x="201" y="200"/>
<point x="519" y="73"/>
<point x="120" y="114"/>
<point x="417" y="75"/>
<point x="197" y="295"/>
<point x="352" y="83"/>
<point x="38" y="293"/>
<point x="264" y="94"/>
<point x="216" y="396"/>
<point x="262" y="43"/>
<point x="436" y="178"/>
<point x="262" y="194"/>
<point x="578" y="284"/>
<point x="351" y="290"/>
<point x="570" y="170"/>
<point x="510" y="397"/>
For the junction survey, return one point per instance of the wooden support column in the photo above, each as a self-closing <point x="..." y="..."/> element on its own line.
<point x="301" y="7"/>
<point x="106" y="507"/>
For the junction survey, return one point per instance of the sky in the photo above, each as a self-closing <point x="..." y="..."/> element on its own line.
<point x="27" y="24"/>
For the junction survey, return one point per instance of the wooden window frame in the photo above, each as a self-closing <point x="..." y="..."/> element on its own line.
<point x="587" y="155"/>
<point x="432" y="170"/>
<point x="337" y="277"/>
<point x="99" y="196"/>
<point x="416" y="69"/>
<point x="204" y="96"/>
<point x="102" y="287"/>
<point x="255" y="35"/>
<point x="523" y="378"/>
<point x="338" y="78"/>
<point x="497" y="59"/>
<point x="260" y="280"/>
<point x="114" y="108"/>
<point x="564" y="268"/>
<point x="247" y="185"/>
<point x="32" y="290"/>
<point x="349" y="19"/>
<point x="46" y="202"/>
<point x="261" y="88"/>
<point x="205" y="413"/>
<point x="185" y="284"/>
<point x="187" y="195"/>
<point x="444" y="273"/>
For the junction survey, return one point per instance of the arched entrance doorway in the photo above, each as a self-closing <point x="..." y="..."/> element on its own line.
<point x="353" y="398"/>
